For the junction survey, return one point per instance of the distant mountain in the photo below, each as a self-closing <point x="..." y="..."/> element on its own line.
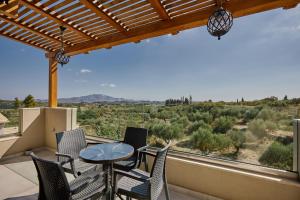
<point x="93" y="98"/>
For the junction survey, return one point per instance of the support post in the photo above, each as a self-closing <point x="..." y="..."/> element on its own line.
<point x="52" y="98"/>
<point x="296" y="147"/>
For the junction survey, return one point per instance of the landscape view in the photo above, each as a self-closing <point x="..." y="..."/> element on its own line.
<point x="259" y="132"/>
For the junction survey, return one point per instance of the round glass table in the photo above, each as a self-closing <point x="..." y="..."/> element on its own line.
<point x="107" y="154"/>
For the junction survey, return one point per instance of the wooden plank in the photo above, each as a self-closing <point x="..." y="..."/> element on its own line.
<point x="52" y="98"/>
<point x="11" y="9"/>
<point x="21" y="41"/>
<point x="104" y="15"/>
<point x="159" y="8"/>
<point x="237" y="7"/>
<point x="47" y="14"/>
<point x="31" y="29"/>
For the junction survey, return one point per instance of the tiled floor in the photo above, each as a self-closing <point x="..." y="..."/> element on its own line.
<point x="18" y="180"/>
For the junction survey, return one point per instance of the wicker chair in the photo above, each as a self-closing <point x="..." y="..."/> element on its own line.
<point x="53" y="184"/>
<point x="69" y="145"/>
<point x="136" y="137"/>
<point x="139" y="184"/>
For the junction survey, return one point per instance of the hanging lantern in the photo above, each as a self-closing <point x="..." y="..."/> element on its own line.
<point x="60" y="56"/>
<point x="3" y="1"/>
<point x="220" y="22"/>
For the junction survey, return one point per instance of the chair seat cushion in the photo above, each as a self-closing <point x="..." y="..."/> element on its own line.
<point x="126" y="165"/>
<point x="90" y="184"/>
<point x="80" y="167"/>
<point x="134" y="188"/>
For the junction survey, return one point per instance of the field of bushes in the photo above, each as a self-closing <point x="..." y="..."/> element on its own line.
<point x="258" y="133"/>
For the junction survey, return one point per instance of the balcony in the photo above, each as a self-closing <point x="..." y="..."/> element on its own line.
<point x="190" y="177"/>
<point x="19" y="178"/>
<point x="35" y="23"/>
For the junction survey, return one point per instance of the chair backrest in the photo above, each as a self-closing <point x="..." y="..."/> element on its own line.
<point x="70" y="142"/>
<point x="52" y="179"/>
<point x="158" y="172"/>
<point x="136" y="137"/>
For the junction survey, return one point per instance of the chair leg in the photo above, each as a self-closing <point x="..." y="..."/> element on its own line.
<point x="166" y="188"/>
<point x="145" y="163"/>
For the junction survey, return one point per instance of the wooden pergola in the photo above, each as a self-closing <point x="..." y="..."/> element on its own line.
<point x="96" y="24"/>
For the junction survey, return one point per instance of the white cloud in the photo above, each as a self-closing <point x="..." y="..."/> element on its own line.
<point x="111" y="85"/>
<point x="83" y="71"/>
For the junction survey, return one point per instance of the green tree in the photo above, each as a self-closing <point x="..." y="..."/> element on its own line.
<point x="166" y="131"/>
<point x="238" y="139"/>
<point x="203" y="139"/>
<point x="223" y="124"/>
<point x="29" y="101"/>
<point x="191" y="99"/>
<point x="17" y="103"/>
<point x="285" y="97"/>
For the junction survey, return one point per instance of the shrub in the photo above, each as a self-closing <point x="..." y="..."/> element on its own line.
<point x="203" y="139"/>
<point x="238" y="139"/>
<point x="221" y="142"/>
<point x="155" y="141"/>
<point x="205" y="116"/>
<point x="271" y="126"/>
<point x="206" y="141"/>
<point x="196" y="125"/>
<point x="166" y="131"/>
<point x="278" y="155"/>
<point x="258" y="128"/>
<point x="267" y="114"/>
<point x="250" y="114"/>
<point x="223" y="124"/>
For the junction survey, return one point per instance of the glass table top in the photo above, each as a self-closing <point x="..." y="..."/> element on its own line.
<point x="107" y="152"/>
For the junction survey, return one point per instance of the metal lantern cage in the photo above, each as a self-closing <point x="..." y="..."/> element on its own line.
<point x="220" y="22"/>
<point x="60" y="56"/>
<point x="3" y="1"/>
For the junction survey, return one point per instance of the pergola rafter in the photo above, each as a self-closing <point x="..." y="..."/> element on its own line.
<point x="96" y="24"/>
<point x="199" y="18"/>
<point x="159" y="8"/>
<point x="28" y="28"/>
<point x="64" y="22"/>
<point x="104" y="14"/>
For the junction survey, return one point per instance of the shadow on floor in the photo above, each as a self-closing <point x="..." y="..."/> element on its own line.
<point x="29" y="197"/>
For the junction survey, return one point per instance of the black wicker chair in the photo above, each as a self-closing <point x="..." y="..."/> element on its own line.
<point x="136" y="137"/>
<point x="53" y="184"/>
<point x="69" y="145"/>
<point x="139" y="184"/>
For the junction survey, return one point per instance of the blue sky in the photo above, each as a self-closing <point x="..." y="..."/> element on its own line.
<point x="259" y="57"/>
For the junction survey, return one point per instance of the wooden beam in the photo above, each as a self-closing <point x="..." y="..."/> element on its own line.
<point x="23" y="41"/>
<point x="159" y="8"/>
<point x="10" y="10"/>
<point x="104" y="15"/>
<point x="63" y="22"/>
<point x="52" y="98"/>
<point x="31" y="29"/>
<point x="239" y="8"/>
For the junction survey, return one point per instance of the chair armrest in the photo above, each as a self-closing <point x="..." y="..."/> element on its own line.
<point x="93" y="143"/>
<point x="149" y="153"/>
<point x="69" y="157"/>
<point x="143" y="148"/>
<point x="127" y="174"/>
<point x="70" y="160"/>
<point x="140" y="155"/>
